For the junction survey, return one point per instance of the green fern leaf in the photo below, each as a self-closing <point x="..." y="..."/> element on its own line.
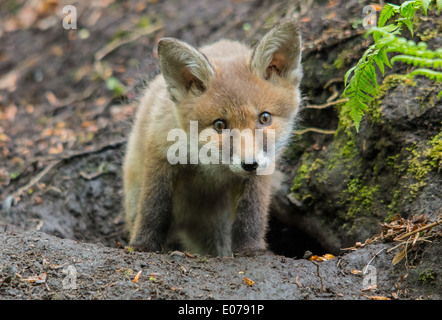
<point x="383" y="57"/>
<point x="348" y="73"/>
<point x="357" y="112"/>
<point x="361" y="86"/>
<point x="387" y="12"/>
<point x="425" y="5"/>
<point x="380" y="64"/>
<point x="408" y="8"/>
<point x="408" y="23"/>
<point x="418" y="61"/>
<point x="431" y="74"/>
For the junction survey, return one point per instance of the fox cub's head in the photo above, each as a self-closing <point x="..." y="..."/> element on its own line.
<point x="244" y="100"/>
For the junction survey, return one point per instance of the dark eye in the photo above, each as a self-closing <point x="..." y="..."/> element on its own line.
<point x="265" y="118"/>
<point x="219" y="125"/>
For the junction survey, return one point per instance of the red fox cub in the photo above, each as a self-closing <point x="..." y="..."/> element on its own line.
<point x="186" y="186"/>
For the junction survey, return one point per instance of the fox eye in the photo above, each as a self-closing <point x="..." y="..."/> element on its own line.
<point x="219" y="125"/>
<point x="265" y="118"/>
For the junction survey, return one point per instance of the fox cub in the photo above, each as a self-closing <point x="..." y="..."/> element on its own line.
<point x="211" y="207"/>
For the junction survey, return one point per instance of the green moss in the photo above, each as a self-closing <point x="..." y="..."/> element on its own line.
<point x="435" y="152"/>
<point x="359" y="195"/>
<point x="345" y="57"/>
<point x="418" y="164"/>
<point x="422" y="160"/>
<point x="427" y="277"/>
<point x="301" y="176"/>
<point x="428" y="34"/>
<point x="308" y="170"/>
<point x="393" y="207"/>
<point x="345" y="153"/>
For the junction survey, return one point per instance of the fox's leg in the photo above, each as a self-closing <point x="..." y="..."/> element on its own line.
<point x="214" y="236"/>
<point x="250" y="225"/>
<point x="154" y="212"/>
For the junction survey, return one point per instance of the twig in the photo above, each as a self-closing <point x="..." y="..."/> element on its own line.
<point x="319" y="275"/>
<point x="112" y="145"/>
<point x="37" y="178"/>
<point x="326" y="105"/>
<point x="371" y="260"/>
<point x="54" y="101"/>
<point x="93" y="175"/>
<point x="111" y="46"/>
<point x="431" y="225"/>
<point x="317" y="130"/>
<point x="55" y="162"/>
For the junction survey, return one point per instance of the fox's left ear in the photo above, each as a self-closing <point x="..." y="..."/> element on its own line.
<point x="279" y="53"/>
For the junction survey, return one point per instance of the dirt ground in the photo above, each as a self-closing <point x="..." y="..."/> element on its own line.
<point x="35" y="265"/>
<point x="67" y="98"/>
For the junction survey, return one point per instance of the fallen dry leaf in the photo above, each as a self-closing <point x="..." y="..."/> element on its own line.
<point x="4" y="137"/>
<point x="370" y="288"/>
<point x="249" y="281"/>
<point x="137" y="276"/>
<point x="323" y="258"/>
<point x="41" y="278"/>
<point x="38" y="200"/>
<point x="189" y="254"/>
<point x="399" y="255"/>
<point x="56" y="150"/>
<point x="377" y="298"/>
<point x="316" y="258"/>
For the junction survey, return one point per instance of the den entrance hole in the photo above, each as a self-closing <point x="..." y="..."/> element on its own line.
<point x="291" y="241"/>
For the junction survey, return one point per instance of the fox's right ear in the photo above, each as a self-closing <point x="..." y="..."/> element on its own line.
<point x="279" y="53"/>
<point x="185" y="69"/>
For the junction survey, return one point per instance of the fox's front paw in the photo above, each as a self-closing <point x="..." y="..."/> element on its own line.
<point x="145" y="246"/>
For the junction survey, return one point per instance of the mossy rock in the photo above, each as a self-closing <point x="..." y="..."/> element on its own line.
<point x="392" y="166"/>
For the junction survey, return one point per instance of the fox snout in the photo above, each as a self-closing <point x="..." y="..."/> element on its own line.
<point x="250" y="166"/>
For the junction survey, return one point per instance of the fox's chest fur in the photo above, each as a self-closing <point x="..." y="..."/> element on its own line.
<point x="214" y="208"/>
<point x="203" y="206"/>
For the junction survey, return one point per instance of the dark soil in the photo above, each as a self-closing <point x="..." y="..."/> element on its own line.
<point x="107" y="273"/>
<point x="63" y="125"/>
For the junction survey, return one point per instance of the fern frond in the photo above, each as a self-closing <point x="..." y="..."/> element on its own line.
<point x="425" y="5"/>
<point x="408" y="23"/>
<point x="357" y="112"/>
<point x="361" y="86"/>
<point x="409" y="8"/>
<point x="387" y="12"/>
<point x="418" y="61"/>
<point x="431" y="74"/>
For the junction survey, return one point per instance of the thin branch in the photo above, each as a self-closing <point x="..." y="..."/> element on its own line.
<point x="326" y="105"/>
<point x="319" y="274"/>
<point x="317" y="130"/>
<point x="55" y="162"/>
<point x="431" y="225"/>
<point x="111" y="46"/>
<point x="37" y="178"/>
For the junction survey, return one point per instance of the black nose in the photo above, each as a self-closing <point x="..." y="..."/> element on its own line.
<point x="249" y="166"/>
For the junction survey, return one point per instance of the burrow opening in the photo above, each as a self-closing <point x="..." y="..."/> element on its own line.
<point x="291" y="241"/>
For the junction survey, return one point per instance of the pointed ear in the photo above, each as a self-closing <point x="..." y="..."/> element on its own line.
<point x="185" y="69"/>
<point x="279" y="53"/>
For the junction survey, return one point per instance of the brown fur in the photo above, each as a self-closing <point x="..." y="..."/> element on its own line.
<point x="215" y="208"/>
